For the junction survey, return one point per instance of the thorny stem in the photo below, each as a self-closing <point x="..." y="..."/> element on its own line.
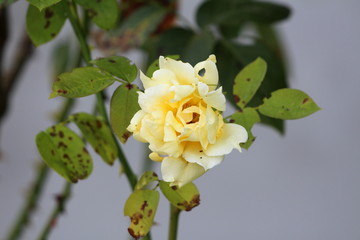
<point x="36" y="188"/>
<point x="60" y="208"/>
<point x="174" y="222"/>
<point x="81" y="36"/>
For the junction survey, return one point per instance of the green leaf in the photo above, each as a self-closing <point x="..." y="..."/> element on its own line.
<point x="43" y="26"/>
<point x="123" y="106"/>
<point x="81" y="82"/>
<point x="199" y="48"/>
<point x="41" y="4"/>
<point x="216" y="12"/>
<point x="185" y="198"/>
<point x="174" y="41"/>
<point x="288" y="104"/>
<point x="246" y="118"/>
<point x="103" y="13"/>
<point x="64" y="152"/>
<point x="233" y="56"/>
<point x="98" y="134"/>
<point x="142" y="22"/>
<point x="147" y="178"/>
<point x="118" y="66"/>
<point x="155" y="65"/>
<point x="141" y="207"/>
<point x="248" y="81"/>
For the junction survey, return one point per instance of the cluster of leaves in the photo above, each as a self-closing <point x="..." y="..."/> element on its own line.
<point x="142" y="204"/>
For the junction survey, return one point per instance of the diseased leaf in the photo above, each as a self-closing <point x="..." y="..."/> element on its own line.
<point x="216" y="12"/>
<point x="43" y="26"/>
<point x="248" y="81"/>
<point x="147" y="178"/>
<point x="98" y="134"/>
<point x="103" y="13"/>
<point x="288" y="104"/>
<point x="141" y="207"/>
<point x="246" y="118"/>
<point x="64" y="152"/>
<point x="123" y="106"/>
<point x="155" y="65"/>
<point x="118" y="66"/>
<point x="41" y="4"/>
<point x="81" y="82"/>
<point x="136" y="29"/>
<point x="185" y="198"/>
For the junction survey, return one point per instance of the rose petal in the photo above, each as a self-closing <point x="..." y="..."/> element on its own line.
<point x="180" y="172"/>
<point x="211" y="75"/>
<point x="184" y="72"/>
<point x="194" y="153"/>
<point x="181" y="92"/>
<point x="231" y="137"/>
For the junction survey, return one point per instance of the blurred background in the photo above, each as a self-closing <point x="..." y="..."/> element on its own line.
<point x="304" y="185"/>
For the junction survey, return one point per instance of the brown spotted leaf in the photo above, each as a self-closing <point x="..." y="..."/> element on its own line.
<point x="147" y="178"/>
<point x="123" y="106"/>
<point x="81" y="82"/>
<point x="288" y="104"/>
<point x="64" y="152"/>
<point x="185" y="198"/>
<point x="248" y="81"/>
<point x="43" y="26"/>
<point x="141" y="207"/>
<point x="118" y="66"/>
<point x="103" y="13"/>
<point x="98" y="134"/>
<point x="246" y="118"/>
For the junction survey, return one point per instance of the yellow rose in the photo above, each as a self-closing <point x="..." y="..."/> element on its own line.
<point x="181" y="119"/>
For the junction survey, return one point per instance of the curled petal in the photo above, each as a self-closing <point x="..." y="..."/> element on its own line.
<point x="135" y="125"/>
<point x="181" y="92"/>
<point x="180" y="172"/>
<point x="231" y="137"/>
<point x="210" y="76"/>
<point x="184" y="72"/>
<point x="215" y="99"/>
<point x="194" y="153"/>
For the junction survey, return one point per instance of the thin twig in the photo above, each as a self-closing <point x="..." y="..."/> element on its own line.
<point x="61" y="200"/>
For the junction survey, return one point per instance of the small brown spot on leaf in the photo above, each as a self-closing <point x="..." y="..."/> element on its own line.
<point x="53" y="35"/>
<point x="144" y="205"/>
<point x="61" y="134"/>
<point x="150" y="212"/>
<point x="111" y="61"/>
<point x="174" y="188"/>
<point x="126" y="135"/>
<point x="47" y="24"/>
<point x="66" y="156"/>
<point x="129" y="86"/>
<point x="48" y="13"/>
<point x="136" y="217"/>
<point x="85" y="150"/>
<point x="98" y="124"/>
<point x="248" y="79"/>
<point x="231" y="121"/>
<point x="70" y="138"/>
<point x="305" y="100"/>
<point x="236" y="98"/>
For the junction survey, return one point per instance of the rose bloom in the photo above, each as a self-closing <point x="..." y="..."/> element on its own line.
<point x="181" y="119"/>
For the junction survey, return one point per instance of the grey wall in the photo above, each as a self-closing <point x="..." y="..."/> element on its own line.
<point x="301" y="186"/>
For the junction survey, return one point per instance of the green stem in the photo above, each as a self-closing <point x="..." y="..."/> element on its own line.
<point x="61" y="199"/>
<point x="31" y="203"/>
<point x="81" y="36"/>
<point x="174" y="222"/>
<point x="37" y="187"/>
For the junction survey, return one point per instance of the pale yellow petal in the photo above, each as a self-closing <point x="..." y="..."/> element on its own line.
<point x="184" y="72"/>
<point x="231" y="137"/>
<point x="181" y="92"/>
<point x="180" y="172"/>
<point x="209" y="75"/>
<point x="216" y="99"/>
<point x="155" y="157"/>
<point x="194" y="153"/>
